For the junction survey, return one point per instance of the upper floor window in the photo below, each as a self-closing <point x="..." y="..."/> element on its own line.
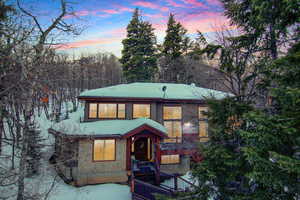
<point x="106" y="110"/>
<point x="141" y="110"/>
<point x="104" y="150"/>
<point x="93" y="110"/>
<point x="203" y="124"/>
<point x="172" y="121"/>
<point x="172" y="112"/>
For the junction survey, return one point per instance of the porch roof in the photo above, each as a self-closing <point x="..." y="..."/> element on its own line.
<point x="107" y="128"/>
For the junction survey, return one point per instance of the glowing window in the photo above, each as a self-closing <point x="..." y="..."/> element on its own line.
<point x="92" y="110"/>
<point x="104" y="150"/>
<point x="202" y="111"/>
<point x="172" y="112"/>
<point x="141" y="110"/>
<point x="170" y="159"/>
<point x="107" y="110"/>
<point x="174" y="130"/>
<point x="121" y="111"/>
<point x="203" y="131"/>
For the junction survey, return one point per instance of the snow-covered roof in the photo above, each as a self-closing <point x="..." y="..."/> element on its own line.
<point x="104" y="127"/>
<point x="155" y="90"/>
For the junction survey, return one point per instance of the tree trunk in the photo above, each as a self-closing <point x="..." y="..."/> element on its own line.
<point x="22" y="164"/>
<point x="1" y="133"/>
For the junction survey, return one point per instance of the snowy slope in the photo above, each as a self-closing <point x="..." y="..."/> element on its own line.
<point x="62" y="191"/>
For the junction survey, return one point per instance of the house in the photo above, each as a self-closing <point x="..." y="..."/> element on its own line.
<point x="132" y="128"/>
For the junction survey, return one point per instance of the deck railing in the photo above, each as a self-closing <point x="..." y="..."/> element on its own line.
<point x="179" y="140"/>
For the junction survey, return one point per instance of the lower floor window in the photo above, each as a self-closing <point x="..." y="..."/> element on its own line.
<point x="174" y="131"/>
<point x="170" y="159"/>
<point x="104" y="150"/>
<point x="203" y="131"/>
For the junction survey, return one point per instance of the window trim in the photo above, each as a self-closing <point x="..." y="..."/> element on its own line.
<point x="98" y="118"/>
<point x="132" y="115"/>
<point x="93" y="148"/>
<point x="173" y="120"/>
<point x="201" y="119"/>
<point x="170" y="163"/>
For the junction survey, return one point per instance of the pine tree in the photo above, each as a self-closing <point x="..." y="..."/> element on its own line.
<point x="138" y="54"/>
<point x="175" y="45"/>
<point x="254" y="154"/>
<point x="269" y="23"/>
<point x="175" y="41"/>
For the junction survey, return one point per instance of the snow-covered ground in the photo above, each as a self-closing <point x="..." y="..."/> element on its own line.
<point x="48" y="178"/>
<point x="63" y="191"/>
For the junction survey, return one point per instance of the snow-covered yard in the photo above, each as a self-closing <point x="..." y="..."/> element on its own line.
<point x="49" y="184"/>
<point x="63" y="191"/>
<point x="92" y="192"/>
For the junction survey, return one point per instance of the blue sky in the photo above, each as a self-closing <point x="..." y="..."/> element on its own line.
<point x="105" y="21"/>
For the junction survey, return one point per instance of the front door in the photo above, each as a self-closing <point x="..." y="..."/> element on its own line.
<point x="141" y="149"/>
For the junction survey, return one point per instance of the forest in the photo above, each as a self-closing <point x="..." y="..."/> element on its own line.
<point x="254" y="147"/>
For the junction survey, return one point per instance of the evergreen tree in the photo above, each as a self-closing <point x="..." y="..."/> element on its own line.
<point x="254" y="154"/>
<point x="269" y="23"/>
<point x="175" y="45"/>
<point x="138" y="54"/>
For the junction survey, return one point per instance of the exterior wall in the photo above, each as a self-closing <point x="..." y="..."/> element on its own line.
<point x="181" y="168"/>
<point x="92" y="172"/>
<point x="128" y="112"/>
<point x="67" y="154"/>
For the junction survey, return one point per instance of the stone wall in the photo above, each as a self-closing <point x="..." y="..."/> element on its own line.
<point x="92" y="172"/>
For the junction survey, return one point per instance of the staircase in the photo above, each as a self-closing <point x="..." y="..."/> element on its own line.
<point x="142" y="190"/>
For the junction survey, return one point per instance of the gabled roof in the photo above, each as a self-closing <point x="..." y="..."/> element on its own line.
<point x="108" y="128"/>
<point x="154" y="91"/>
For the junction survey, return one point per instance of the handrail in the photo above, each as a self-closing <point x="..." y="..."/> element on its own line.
<point x="152" y="186"/>
<point x="186" y="181"/>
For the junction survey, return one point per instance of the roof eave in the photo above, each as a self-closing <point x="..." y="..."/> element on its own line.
<point x="94" y="136"/>
<point x="138" y="99"/>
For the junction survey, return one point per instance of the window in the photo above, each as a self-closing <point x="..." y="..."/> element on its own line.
<point x="170" y="159"/>
<point x="107" y="111"/>
<point x="141" y="110"/>
<point x="172" y="122"/>
<point x="172" y="112"/>
<point x="202" y="111"/>
<point x="121" y="111"/>
<point x="104" y="150"/>
<point x="174" y="131"/>
<point x="92" y="110"/>
<point x="203" y="124"/>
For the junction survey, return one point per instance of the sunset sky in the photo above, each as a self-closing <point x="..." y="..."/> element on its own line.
<point x="105" y="21"/>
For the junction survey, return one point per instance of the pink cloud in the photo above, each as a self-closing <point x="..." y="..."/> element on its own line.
<point x="195" y="3"/>
<point x="214" y="2"/>
<point x="155" y="16"/>
<point x="174" y="4"/>
<point x="150" y="5"/>
<point x="100" y="12"/>
<point x="85" y="43"/>
<point x="110" y="11"/>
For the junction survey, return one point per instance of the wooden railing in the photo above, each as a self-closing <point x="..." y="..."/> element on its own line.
<point x="178" y="140"/>
<point x="148" y="191"/>
<point x="179" y="183"/>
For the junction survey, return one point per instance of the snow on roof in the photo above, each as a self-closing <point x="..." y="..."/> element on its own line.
<point x="104" y="127"/>
<point x="155" y="90"/>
